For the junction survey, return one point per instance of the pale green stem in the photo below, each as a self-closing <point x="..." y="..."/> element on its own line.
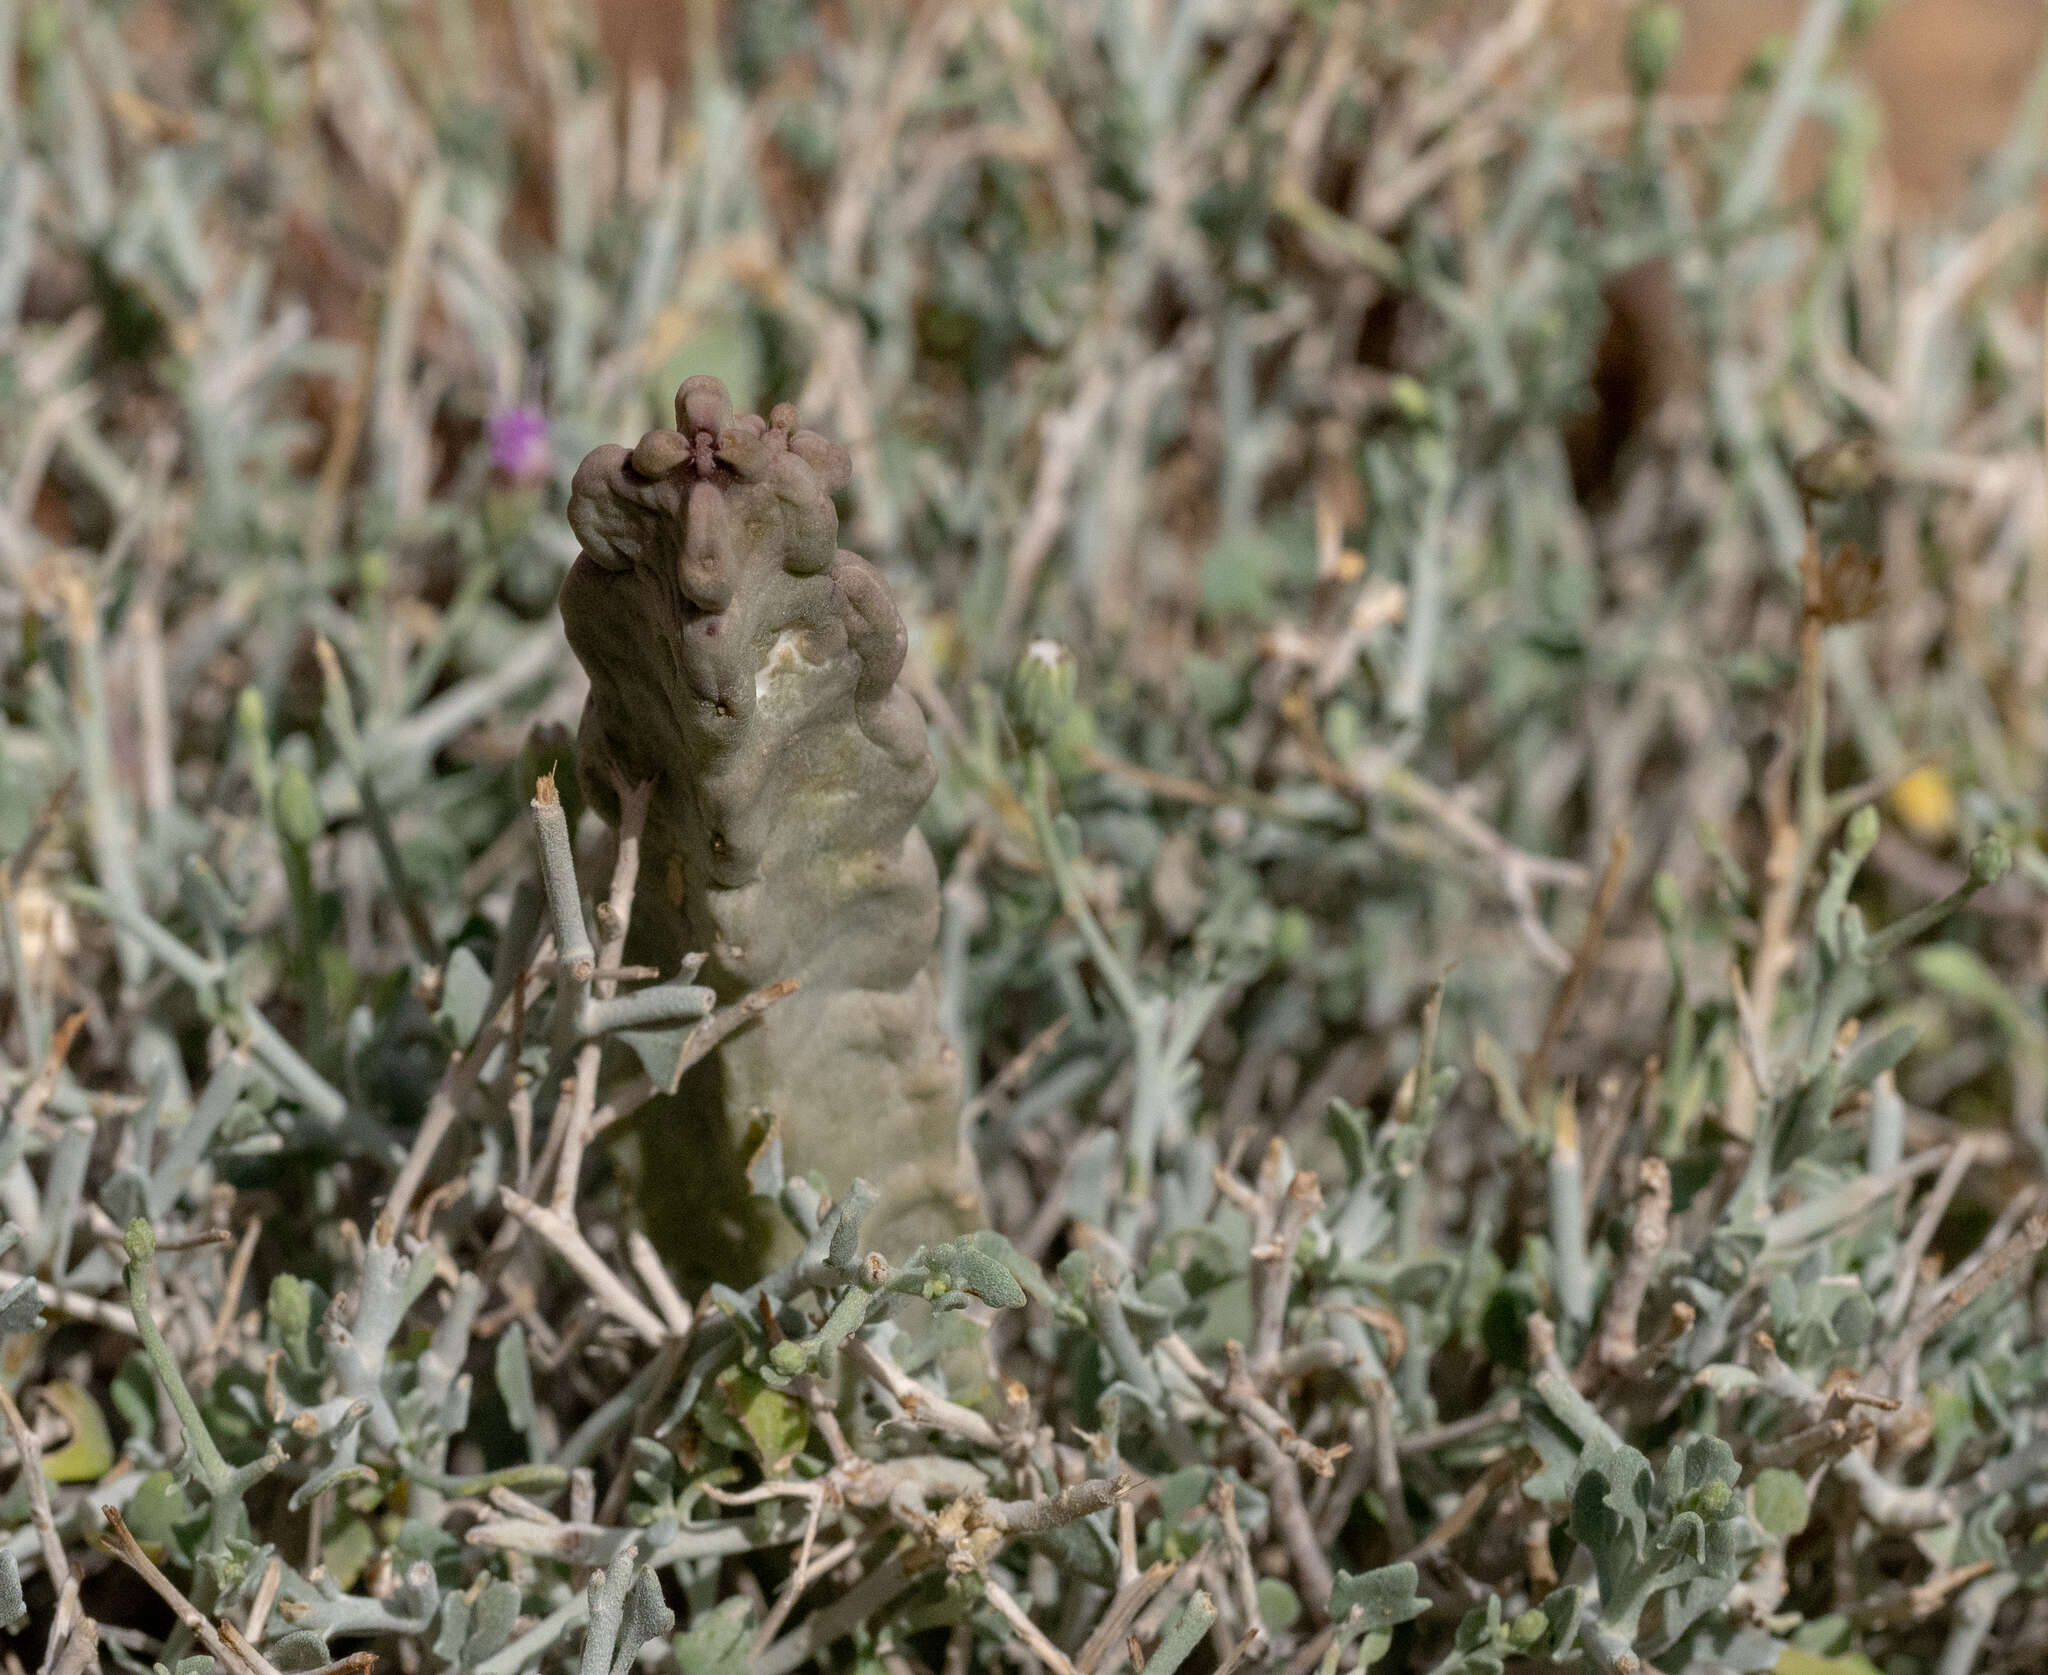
<point x="1766" y="155"/>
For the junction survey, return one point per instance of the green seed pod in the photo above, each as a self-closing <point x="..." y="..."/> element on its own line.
<point x="291" y="1306"/>
<point x="1043" y="693"/>
<point x="1045" y="709"/>
<point x="1841" y="191"/>
<point x="291" y="1312"/>
<point x="140" y="1241"/>
<point x="1410" y="398"/>
<point x="298" y="807"/>
<point x="1655" y="34"/>
<point x="252" y="714"/>
<point x="1343" y="730"/>
<point x="1667" y="901"/>
<point x="1990" y="861"/>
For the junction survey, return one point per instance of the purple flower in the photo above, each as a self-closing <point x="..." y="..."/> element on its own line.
<point x="519" y="443"/>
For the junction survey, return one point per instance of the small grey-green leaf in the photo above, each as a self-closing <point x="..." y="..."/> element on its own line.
<point x="1709" y="1459"/>
<point x="763" y="1151"/>
<point x="1181" y="1493"/>
<point x="1871" y="1059"/>
<point x="1022" y="1269"/>
<point x="465" y="992"/>
<point x="1561" y="1612"/>
<point x="1183" y="1634"/>
<point x="848" y="1315"/>
<point x="716" y="1643"/>
<point x="497" y="1610"/>
<point x="1279" y="1606"/>
<point x="20" y="1308"/>
<point x="454" y="1628"/>
<point x="1778" y="1502"/>
<point x="12" y="1607"/>
<point x="659" y="1050"/>
<point x="978" y="1273"/>
<point x="646" y="1615"/>
<point x="1375" y="1599"/>
<point x="845" y="1247"/>
<point x="515" y="1377"/>
<point x="298" y="1649"/>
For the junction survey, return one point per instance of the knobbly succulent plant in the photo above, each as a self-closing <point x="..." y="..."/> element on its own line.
<point x="746" y="666"/>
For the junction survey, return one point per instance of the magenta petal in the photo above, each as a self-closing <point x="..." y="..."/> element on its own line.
<point x="519" y="442"/>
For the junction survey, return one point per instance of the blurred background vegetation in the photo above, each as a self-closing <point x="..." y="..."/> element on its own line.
<point x="1493" y="464"/>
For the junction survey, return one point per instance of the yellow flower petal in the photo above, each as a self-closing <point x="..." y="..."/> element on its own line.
<point x="1925" y="804"/>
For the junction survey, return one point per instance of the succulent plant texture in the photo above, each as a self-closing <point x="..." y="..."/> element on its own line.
<point x="746" y="667"/>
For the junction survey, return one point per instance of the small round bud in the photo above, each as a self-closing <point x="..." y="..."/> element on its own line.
<point x="252" y="713"/>
<point x="1841" y="191"/>
<point x="1343" y="730"/>
<point x="1655" y="33"/>
<point x="140" y="1240"/>
<point x="1667" y="900"/>
<point x="1839" y="470"/>
<point x="291" y="1306"/>
<point x="373" y="570"/>
<point x="787" y="1358"/>
<point x="298" y="806"/>
<point x="1713" y="1497"/>
<point x="1293" y="936"/>
<point x="1862" y="830"/>
<point x="1528" y="1630"/>
<point x="1990" y="861"/>
<point x="1043" y="692"/>
<point x="1765" y="64"/>
<point x="1410" y="398"/>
